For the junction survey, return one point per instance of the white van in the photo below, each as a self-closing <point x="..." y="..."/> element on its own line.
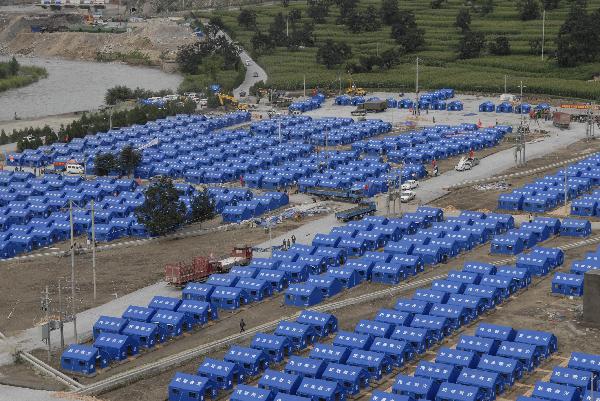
<point x="74" y="168"/>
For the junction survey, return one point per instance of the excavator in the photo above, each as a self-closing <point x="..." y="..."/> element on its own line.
<point x="227" y="100"/>
<point x="353" y="90"/>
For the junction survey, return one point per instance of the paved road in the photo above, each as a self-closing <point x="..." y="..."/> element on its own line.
<point x="10" y="393"/>
<point x="251" y="69"/>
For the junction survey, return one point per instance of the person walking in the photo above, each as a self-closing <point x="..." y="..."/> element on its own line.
<point x="284" y="247"/>
<point x="530" y="217"/>
<point x="242" y="325"/>
<point x="289" y="243"/>
<point x="293" y="239"/>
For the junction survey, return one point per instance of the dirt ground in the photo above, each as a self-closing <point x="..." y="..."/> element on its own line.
<point x="155" y="37"/>
<point x="473" y="199"/>
<point x="120" y="271"/>
<point x="534" y="308"/>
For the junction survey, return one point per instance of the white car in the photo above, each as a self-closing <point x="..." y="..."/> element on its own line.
<point x="247" y="62"/>
<point x="466" y="163"/>
<point x="407" y="196"/>
<point x="410" y="184"/>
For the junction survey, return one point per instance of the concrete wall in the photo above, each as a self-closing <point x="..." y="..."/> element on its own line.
<point x="591" y="297"/>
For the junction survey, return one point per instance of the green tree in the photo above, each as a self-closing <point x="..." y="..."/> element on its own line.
<point x="277" y="30"/>
<point x="463" y="19"/>
<point x="535" y="47"/>
<point x="212" y="101"/>
<point x="550" y="4"/>
<point x="216" y="21"/>
<point x="471" y="44"/>
<point x="247" y="18"/>
<point x="389" y="58"/>
<point x="104" y="163"/>
<point x="285" y="3"/>
<point x="129" y="159"/>
<point x="389" y="11"/>
<point x="332" y="53"/>
<point x="486" y="7"/>
<point x="162" y="211"/>
<point x="212" y="65"/>
<point x="347" y="9"/>
<point x="436" y="4"/>
<point x="4" y="139"/>
<point x="318" y="10"/>
<point x="294" y="15"/>
<point x="528" y="9"/>
<point x="500" y="46"/>
<point x="578" y="39"/>
<point x="13" y="66"/>
<point x="371" y="19"/>
<point x="406" y="32"/>
<point x="202" y="207"/>
<point x="262" y="42"/>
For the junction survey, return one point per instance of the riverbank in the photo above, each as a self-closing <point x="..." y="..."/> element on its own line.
<point x="26" y="76"/>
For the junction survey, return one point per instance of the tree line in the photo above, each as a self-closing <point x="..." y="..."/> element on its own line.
<point x="91" y="123"/>
<point x="121" y="93"/>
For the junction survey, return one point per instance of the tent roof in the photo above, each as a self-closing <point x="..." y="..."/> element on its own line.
<point x="478" y="378"/>
<point x="244" y="354"/>
<point x="138" y="312"/>
<point x="110" y="323"/>
<point x="198" y="288"/>
<point x="189" y="382"/>
<point x="167" y="317"/>
<point x="338" y="371"/>
<point x="457" y="392"/>
<point x="304" y="365"/>
<point x="244" y="392"/>
<point x="317" y="387"/>
<point x="280" y="380"/>
<point x="139" y="328"/>
<point x="368" y="358"/>
<point x="166" y="303"/>
<point x="216" y="367"/>
<point x="293" y="329"/>
<point x="110" y="340"/>
<point x="190" y="305"/>
<point x="312" y="317"/>
<point x="269" y="341"/>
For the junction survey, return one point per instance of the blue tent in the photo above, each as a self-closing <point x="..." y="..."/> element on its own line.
<point x="363" y="267"/>
<point x="440" y="372"/>
<point x="225" y="374"/>
<point x="457" y="315"/>
<point x="525" y="353"/>
<point x="505" y="285"/>
<point x="305" y="367"/>
<point x="465" y="277"/>
<point x="197" y="292"/>
<point x="378" y="395"/>
<point x="589" y="362"/>
<point x="374" y="328"/>
<point x="567" y="284"/>
<point x="412" y="306"/>
<point x="83" y="359"/>
<point x="303" y="295"/>
<point x="330" y="353"/>
<point x="118" y="347"/>
<point x="508" y="245"/>
<point x="164" y="303"/>
<point x="393" y="317"/>
<point x="535" y="265"/>
<point x="388" y="273"/>
<point x="328" y="285"/>
<point x="459" y="392"/>
<point x="198" y="311"/>
<point x="323" y="323"/>
<point x="174" y="323"/>
<point x="224" y="280"/>
<point x="419" y="339"/>
<point x="555" y="256"/>
<point x="353" y="246"/>
<point x="449" y="286"/>
<point x="251" y="361"/>
<point x="244" y="271"/>
<point x="275" y="347"/>
<point x="296" y="271"/>
<point x="480" y="345"/>
<point x="418" y="388"/>
<point x="321" y="390"/>
<point x="374" y="363"/>
<point x="138" y="313"/>
<point x="546" y="342"/>
<point x="108" y="324"/>
<point x="279" y="382"/>
<point x="555" y="392"/>
<point x="351" y="378"/>
<point x="264" y="263"/>
<point x="573" y="377"/>
<point x="186" y="387"/>
<point x="229" y="298"/>
<point x="278" y="279"/>
<point x="256" y="289"/>
<point x="398" y="351"/>
<point x="510" y="369"/>
<point x="353" y="340"/>
<point x="575" y="228"/>
<point x="465" y="359"/>
<point x="520" y="276"/>
<point x="300" y="335"/>
<point x="147" y="335"/>
<point x="496" y="332"/>
<point x="287" y="397"/>
<point x="347" y="277"/>
<point x="490" y="383"/>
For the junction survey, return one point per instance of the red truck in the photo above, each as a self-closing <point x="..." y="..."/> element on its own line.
<point x="180" y="273"/>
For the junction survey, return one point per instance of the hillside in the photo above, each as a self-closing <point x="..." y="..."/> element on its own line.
<point x="439" y="64"/>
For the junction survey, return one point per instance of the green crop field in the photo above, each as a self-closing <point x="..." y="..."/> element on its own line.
<point x="439" y="65"/>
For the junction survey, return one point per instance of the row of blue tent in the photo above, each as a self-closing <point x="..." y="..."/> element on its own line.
<point x="312" y="103"/>
<point x="550" y="191"/>
<point x="455" y="105"/>
<point x="419" y="239"/>
<point x="239" y="204"/>
<point x="588" y="205"/>
<point x="153" y="134"/>
<point x="506" y="107"/>
<point x="433" y="143"/>
<point x="540" y="229"/>
<point x="118" y="338"/>
<point x="571" y="284"/>
<point x="577" y="381"/>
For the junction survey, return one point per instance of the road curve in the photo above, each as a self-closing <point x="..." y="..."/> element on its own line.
<point x="252" y="68"/>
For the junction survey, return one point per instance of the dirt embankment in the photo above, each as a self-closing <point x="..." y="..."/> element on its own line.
<point x="146" y="42"/>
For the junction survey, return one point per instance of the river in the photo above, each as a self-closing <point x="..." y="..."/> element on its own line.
<point x="76" y="86"/>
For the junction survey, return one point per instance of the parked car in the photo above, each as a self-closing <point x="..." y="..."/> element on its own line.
<point x="466" y="163"/>
<point x="407" y="196"/>
<point x="410" y="184"/>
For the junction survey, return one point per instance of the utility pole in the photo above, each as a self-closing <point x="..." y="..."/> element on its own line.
<point x="377" y="49"/>
<point x="287" y="27"/>
<point x="74" y="317"/>
<point x="340" y="81"/>
<point x="279" y="129"/>
<point x="46" y="306"/>
<point x="566" y="192"/>
<point x="505" y="83"/>
<point x="304" y="85"/>
<point x="417" y="89"/>
<point x="589" y="127"/>
<point x="93" y="249"/>
<point x="543" y="32"/>
<point x="60" y="317"/>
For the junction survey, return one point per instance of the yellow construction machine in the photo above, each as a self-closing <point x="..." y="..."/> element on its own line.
<point x="353" y="90"/>
<point x="229" y="101"/>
